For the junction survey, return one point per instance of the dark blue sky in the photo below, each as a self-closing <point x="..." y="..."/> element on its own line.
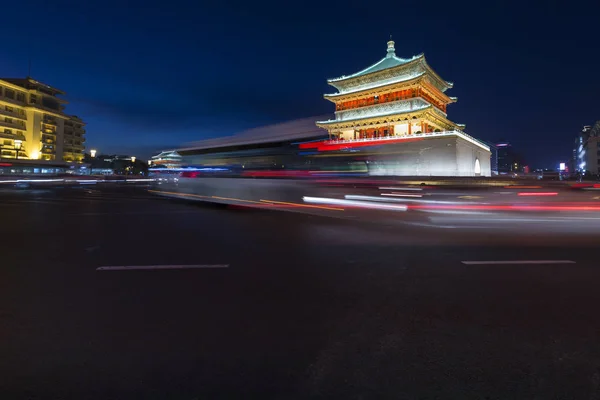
<point x="152" y="74"/>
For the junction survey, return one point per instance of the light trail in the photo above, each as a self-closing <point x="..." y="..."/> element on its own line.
<point x="401" y="195"/>
<point x="538" y="194"/>
<point x="354" y="203"/>
<point x="302" y="205"/>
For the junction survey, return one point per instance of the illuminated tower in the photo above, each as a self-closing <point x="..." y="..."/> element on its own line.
<point x="393" y="97"/>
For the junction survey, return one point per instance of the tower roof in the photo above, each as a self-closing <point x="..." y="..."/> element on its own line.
<point x="389" y="61"/>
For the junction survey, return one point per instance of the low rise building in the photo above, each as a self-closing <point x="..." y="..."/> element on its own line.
<point x="34" y="125"/>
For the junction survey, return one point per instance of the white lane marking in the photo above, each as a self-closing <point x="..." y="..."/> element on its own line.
<point x="150" y="267"/>
<point x="518" y="262"/>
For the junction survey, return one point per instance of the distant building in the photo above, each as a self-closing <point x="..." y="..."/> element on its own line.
<point x="109" y="164"/>
<point x="167" y="159"/>
<point x="587" y="148"/>
<point x="508" y="160"/>
<point x="34" y="126"/>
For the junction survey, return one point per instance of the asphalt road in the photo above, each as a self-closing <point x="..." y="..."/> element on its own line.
<point x="307" y="307"/>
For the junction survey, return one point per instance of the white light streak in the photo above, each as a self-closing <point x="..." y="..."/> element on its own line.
<point x="388" y="199"/>
<point x="398" y="188"/>
<point x="401" y="195"/>
<point x="352" y="203"/>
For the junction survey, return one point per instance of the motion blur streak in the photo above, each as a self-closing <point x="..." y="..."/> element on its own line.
<point x="538" y="194"/>
<point x="353" y="203"/>
<point x="505" y="207"/>
<point x="234" y="199"/>
<point x="521" y="187"/>
<point x="302" y="205"/>
<point x="401" y="195"/>
<point x="398" y="188"/>
<point x="384" y="199"/>
<point x="179" y="194"/>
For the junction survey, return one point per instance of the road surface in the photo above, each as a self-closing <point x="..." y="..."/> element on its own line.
<point x="288" y="305"/>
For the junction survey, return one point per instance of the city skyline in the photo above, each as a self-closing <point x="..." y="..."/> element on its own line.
<point x="159" y="77"/>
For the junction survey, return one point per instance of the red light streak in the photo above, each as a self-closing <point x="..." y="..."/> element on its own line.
<point x="521" y="187"/>
<point x="538" y="194"/>
<point x="327" y="145"/>
<point x="504" y="207"/>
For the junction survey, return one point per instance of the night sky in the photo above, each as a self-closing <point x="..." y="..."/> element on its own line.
<point x="161" y="73"/>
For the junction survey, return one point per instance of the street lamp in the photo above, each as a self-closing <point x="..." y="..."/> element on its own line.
<point x="93" y="153"/>
<point x="18" y="143"/>
<point x="133" y="159"/>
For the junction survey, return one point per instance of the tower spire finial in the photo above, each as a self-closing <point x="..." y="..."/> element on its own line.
<point x="391" y="51"/>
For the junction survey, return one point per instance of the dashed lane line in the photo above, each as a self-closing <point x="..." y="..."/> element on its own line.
<point x="160" y="267"/>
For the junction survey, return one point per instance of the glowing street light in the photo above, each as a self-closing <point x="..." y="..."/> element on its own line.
<point x="18" y="144"/>
<point x="93" y="153"/>
<point x="133" y="159"/>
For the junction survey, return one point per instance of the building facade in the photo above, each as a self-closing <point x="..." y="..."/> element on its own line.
<point x="34" y="125"/>
<point x="397" y="101"/>
<point x="587" y="148"/>
<point x="508" y="160"/>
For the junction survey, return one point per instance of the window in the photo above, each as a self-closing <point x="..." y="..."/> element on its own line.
<point x="9" y="93"/>
<point x="20" y="97"/>
<point x="7" y="142"/>
<point x="8" y="131"/>
<point x="8" y="120"/>
<point x="33" y="99"/>
<point x="9" y="109"/>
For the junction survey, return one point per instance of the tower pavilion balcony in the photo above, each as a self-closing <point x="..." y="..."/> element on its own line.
<point x="376" y="110"/>
<point x="381" y="140"/>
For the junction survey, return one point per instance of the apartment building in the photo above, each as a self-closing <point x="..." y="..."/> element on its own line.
<point x="34" y="125"/>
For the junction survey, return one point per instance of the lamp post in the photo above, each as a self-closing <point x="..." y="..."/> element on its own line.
<point x="18" y="143"/>
<point x="92" y="155"/>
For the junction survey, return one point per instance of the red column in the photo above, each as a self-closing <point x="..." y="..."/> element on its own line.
<point x="409" y="128"/>
<point x="422" y="127"/>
